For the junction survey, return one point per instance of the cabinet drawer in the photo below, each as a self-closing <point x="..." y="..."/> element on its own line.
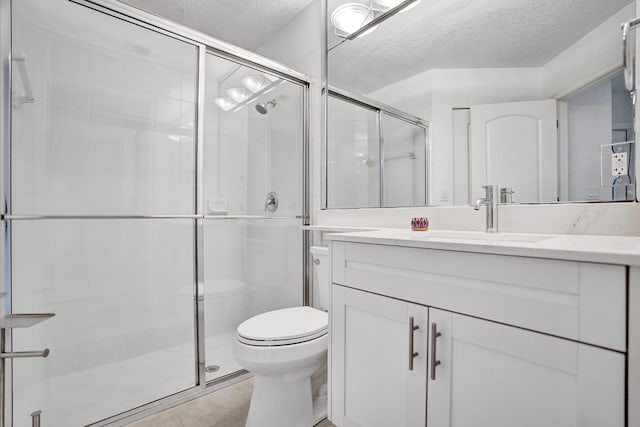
<point x="580" y="301"/>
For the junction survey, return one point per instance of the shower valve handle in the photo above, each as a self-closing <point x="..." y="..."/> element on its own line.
<point x="271" y="202"/>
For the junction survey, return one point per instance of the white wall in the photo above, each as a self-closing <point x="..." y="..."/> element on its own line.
<point x="593" y="56"/>
<point x="589" y="121"/>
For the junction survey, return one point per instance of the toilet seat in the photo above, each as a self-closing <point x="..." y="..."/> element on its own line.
<point x="283" y="327"/>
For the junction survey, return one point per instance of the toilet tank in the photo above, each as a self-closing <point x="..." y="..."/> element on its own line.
<point x="320" y="255"/>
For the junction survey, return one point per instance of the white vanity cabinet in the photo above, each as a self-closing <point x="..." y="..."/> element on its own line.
<point x="519" y="341"/>
<point x="493" y="375"/>
<point x="371" y="343"/>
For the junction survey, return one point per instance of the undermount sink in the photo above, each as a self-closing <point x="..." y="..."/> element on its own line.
<point x="481" y="236"/>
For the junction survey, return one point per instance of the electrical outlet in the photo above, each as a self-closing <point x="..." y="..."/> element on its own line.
<point x="444" y="195"/>
<point x="619" y="164"/>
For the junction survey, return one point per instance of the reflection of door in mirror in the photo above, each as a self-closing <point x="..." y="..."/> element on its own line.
<point x="515" y="145"/>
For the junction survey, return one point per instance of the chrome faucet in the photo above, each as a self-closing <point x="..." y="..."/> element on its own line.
<point x="491" y="203"/>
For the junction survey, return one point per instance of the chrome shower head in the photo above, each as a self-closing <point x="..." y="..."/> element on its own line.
<point x="262" y="107"/>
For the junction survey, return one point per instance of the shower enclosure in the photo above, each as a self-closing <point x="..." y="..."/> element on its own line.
<point x="138" y="161"/>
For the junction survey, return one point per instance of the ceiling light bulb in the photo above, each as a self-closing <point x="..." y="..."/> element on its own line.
<point x="238" y="94"/>
<point x="225" y="103"/>
<point x="254" y="83"/>
<point x="350" y="17"/>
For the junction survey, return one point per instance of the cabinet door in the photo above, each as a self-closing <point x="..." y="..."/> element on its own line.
<point x="492" y="375"/>
<point x="372" y="384"/>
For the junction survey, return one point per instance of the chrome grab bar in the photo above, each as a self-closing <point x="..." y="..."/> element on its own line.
<point x="19" y="354"/>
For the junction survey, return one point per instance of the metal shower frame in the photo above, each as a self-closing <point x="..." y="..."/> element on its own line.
<point x="205" y="45"/>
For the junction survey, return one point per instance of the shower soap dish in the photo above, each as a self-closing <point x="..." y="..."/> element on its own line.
<point x="23" y="320"/>
<point x="420" y="223"/>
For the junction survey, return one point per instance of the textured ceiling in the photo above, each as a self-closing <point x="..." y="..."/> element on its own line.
<point x="464" y="34"/>
<point x="244" y="23"/>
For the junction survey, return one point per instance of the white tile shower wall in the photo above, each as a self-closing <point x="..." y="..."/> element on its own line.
<point x="251" y="267"/>
<point x="298" y="45"/>
<point x="226" y="154"/>
<point x="274" y="264"/>
<point x="275" y="152"/>
<point x="225" y="287"/>
<point x="117" y="290"/>
<point x="113" y="127"/>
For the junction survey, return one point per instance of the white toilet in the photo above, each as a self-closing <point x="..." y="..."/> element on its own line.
<point x="287" y="351"/>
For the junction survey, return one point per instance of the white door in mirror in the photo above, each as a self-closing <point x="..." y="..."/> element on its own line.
<point x="515" y="145"/>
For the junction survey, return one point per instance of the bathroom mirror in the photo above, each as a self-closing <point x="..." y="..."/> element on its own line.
<point x="526" y="95"/>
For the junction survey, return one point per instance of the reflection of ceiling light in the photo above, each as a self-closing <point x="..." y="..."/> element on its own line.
<point x="225" y="103"/>
<point x="350" y="17"/>
<point x="238" y="94"/>
<point x="255" y="83"/>
<point x="384" y="5"/>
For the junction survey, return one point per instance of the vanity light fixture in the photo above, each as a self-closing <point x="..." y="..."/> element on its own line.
<point x="239" y="94"/>
<point x="225" y="104"/>
<point x="350" y="17"/>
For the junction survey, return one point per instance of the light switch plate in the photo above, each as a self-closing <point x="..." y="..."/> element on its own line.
<point x="619" y="164"/>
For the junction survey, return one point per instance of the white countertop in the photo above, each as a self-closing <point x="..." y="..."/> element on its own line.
<point x="589" y="248"/>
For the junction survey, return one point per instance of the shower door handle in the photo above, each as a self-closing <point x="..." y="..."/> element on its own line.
<point x="20" y="354"/>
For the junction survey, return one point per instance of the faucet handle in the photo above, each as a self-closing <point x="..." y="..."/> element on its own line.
<point x="489" y="191"/>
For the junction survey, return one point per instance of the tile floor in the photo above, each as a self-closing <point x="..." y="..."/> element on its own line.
<point x="227" y="407"/>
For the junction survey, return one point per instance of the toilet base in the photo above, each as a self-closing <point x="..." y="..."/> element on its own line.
<point x="278" y="402"/>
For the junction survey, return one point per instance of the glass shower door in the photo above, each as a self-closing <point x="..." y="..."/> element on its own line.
<point x="104" y="148"/>
<point x="253" y="193"/>
<point x="405" y="162"/>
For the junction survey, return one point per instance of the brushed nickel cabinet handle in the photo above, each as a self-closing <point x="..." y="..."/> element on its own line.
<point x="434" y="334"/>
<point x="412" y="354"/>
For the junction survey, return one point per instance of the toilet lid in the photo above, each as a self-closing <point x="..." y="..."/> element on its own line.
<point x="286" y="326"/>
